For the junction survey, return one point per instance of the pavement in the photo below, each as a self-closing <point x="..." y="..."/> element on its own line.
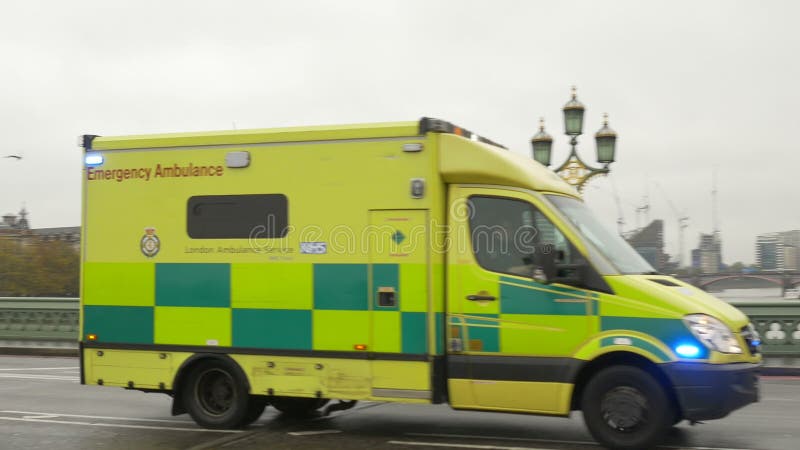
<point x="787" y="366"/>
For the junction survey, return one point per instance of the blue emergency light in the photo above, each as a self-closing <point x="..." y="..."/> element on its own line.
<point x="93" y="159"/>
<point x="687" y="350"/>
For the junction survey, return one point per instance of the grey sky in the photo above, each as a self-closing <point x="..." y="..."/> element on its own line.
<point x="689" y="86"/>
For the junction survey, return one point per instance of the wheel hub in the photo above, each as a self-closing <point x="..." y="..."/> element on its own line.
<point x="215" y="392"/>
<point x="624" y="409"/>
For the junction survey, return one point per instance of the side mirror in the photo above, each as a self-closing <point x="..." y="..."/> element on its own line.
<point x="570" y="274"/>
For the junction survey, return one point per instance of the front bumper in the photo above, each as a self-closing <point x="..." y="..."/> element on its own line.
<point x="712" y="391"/>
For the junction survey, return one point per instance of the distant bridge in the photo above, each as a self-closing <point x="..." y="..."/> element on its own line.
<point x="784" y="280"/>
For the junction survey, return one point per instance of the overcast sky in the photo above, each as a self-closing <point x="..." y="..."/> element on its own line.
<point x="690" y="86"/>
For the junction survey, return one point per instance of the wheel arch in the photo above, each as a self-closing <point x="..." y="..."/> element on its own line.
<point x="186" y="368"/>
<point x="616" y="358"/>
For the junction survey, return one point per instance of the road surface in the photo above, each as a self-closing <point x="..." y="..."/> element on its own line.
<point x="43" y="406"/>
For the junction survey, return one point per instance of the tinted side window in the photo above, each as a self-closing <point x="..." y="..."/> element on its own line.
<point x="505" y="234"/>
<point x="237" y="216"/>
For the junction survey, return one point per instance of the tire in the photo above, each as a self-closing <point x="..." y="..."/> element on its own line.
<point x="255" y="407"/>
<point x="297" y="406"/>
<point x="215" y="394"/>
<point x="625" y="407"/>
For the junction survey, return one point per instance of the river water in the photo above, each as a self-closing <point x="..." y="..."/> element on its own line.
<point x="750" y="295"/>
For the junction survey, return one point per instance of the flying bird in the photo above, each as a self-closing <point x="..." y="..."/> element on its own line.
<point x="14" y="156"/>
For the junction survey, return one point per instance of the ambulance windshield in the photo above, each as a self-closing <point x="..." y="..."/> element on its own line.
<point x="613" y="247"/>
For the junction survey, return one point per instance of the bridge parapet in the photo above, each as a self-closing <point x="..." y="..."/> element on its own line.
<point x="778" y="323"/>
<point x="39" y="319"/>
<point x="56" y="319"/>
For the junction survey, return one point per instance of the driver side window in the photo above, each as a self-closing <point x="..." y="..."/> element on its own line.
<point x="506" y="233"/>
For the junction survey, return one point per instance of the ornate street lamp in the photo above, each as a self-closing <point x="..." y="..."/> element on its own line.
<point x="574" y="171"/>
<point x="573" y="116"/>
<point x="542" y="144"/>
<point x="606" y="139"/>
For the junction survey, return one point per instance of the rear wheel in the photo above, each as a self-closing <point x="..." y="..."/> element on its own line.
<point x="297" y="406"/>
<point x="625" y="407"/>
<point x="215" y="395"/>
<point x="255" y="408"/>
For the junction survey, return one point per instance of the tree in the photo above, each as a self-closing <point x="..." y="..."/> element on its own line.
<point x="31" y="267"/>
<point x="736" y="267"/>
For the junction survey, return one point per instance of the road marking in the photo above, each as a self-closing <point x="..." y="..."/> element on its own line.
<point x="680" y="447"/>
<point x="82" y="416"/>
<point x="445" y="444"/>
<point x="312" y="433"/>
<point x="548" y="441"/>
<point x="24" y="376"/>
<point x="226" y="441"/>
<point x="776" y="399"/>
<point x="41" y="416"/>
<point x="116" y="425"/>
<point x="500" y="438"/>
<point x="39" y="368"/>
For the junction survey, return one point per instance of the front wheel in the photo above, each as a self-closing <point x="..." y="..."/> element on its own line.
<point x="215" y="395"/>
<point x="625" y="407"/>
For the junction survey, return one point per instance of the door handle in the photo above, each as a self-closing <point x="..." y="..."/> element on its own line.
<point x="481" y="298"/>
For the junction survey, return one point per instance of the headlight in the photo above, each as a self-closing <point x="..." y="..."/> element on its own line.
<point x="713" y="333"/>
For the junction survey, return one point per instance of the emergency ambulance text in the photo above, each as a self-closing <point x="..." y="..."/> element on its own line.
<point x="160" y="171"/>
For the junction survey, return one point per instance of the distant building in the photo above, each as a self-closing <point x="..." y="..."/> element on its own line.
<point x="649" y="242"/>
<point x="778" y="251"/>
<point x="790" y="258"/>
<point x="707" y="257"/>
<point x="12" y="224"/>
<point x="17" y="227"/>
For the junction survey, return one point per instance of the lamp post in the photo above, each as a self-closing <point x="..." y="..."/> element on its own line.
<point x="574" y="171"/>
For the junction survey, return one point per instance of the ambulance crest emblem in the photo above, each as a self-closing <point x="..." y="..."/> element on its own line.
<point x="150" y="243"/>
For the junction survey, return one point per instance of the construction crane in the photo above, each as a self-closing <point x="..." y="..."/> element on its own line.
<point x="683" y="222"/>
<point x="643" y="210"/>
<point x="618" y="201"/>
<point x="620" y="217"/>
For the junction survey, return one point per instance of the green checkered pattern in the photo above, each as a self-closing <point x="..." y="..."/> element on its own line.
<point x="526" y="302"/>
<point x="265" y="306"/>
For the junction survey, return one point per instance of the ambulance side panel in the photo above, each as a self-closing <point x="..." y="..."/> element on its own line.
<point x="347" y="301"/>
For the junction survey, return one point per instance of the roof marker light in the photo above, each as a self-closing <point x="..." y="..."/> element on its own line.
<point x="687" y="351"/>
<point x="93" y="159"/>
<point x="412" y="147"/>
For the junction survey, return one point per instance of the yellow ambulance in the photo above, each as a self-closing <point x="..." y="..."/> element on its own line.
<point x="410" y="262"/>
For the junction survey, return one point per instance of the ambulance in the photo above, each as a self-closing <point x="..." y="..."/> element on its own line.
<point x="309" y="268"/>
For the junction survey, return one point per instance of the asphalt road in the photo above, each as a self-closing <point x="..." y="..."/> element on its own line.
<point x="42" y="406"/>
